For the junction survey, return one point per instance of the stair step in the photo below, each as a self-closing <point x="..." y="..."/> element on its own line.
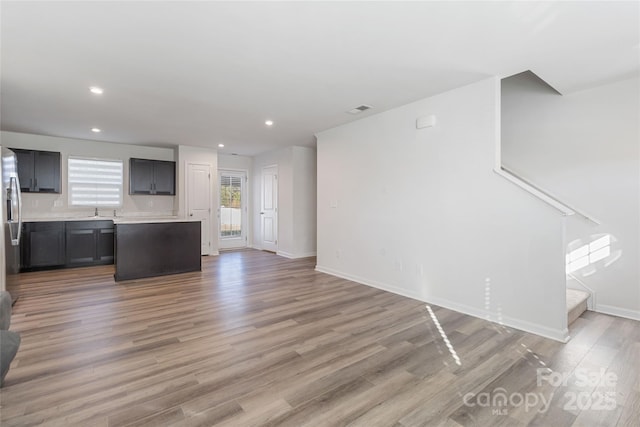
<point x="576" y="304"/>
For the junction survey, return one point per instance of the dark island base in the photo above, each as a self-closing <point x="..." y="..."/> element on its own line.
<point x="156" y="249"/>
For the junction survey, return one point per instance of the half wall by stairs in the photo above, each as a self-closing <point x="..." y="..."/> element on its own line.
<point x="576" y="304"/>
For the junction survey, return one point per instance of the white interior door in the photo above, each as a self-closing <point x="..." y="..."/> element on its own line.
<point x="199" y="200"/>
<point x="232" y="211"/>
<point x="269" y="208"/>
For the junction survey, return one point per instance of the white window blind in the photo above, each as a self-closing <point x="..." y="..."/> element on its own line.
<point x="95" y="182"/>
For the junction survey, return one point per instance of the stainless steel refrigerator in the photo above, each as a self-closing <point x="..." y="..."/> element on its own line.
<point x="11" y="207"/>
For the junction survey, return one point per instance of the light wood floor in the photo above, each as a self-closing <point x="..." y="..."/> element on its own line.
<point x="256" y="339"/>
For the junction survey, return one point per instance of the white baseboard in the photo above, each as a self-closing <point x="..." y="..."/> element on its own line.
<point x="292" y="256"/>
<point x="617" y="311"/>
<point x="561" y="335"/>
<point x="373" y="284"/>
<point x="522" y="325"/>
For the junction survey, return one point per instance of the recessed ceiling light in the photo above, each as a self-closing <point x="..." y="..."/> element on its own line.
<point x="96" y="130"/>
<point x="97" y="90"/>
<point x="269" y="123"/>
<point x="221" y="145"/>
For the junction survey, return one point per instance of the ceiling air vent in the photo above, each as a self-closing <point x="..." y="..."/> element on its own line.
<point x="359" y="109"/>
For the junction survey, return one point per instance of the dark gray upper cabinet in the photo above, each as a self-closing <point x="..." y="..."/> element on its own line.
<point x="39" y="171"/>
<point x="153" y="177"/>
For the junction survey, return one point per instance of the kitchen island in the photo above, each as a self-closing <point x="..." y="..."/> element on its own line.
<point x="156" y="247"/>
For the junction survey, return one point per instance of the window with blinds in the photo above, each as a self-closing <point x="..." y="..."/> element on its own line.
<point x="95" y="182"/>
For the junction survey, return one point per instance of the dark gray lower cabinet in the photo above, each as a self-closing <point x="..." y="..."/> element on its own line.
<point x="43" y="244"/>
<point x="69" y="244"/>
<point x="89" y="243"/>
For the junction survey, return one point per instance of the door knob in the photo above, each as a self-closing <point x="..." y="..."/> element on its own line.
<point x="261" y="213"/>
<point x="190" y="214"/>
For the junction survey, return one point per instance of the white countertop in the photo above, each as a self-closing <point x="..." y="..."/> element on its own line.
<point x="138" y="220"/>
<point x="68" y="218"/>
<point x="116" y="220"/>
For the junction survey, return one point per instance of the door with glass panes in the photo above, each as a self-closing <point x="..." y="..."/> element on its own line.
<point x="232" y="214"/>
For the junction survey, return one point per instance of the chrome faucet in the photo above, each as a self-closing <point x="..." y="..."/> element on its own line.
<point x="96" y="212"/>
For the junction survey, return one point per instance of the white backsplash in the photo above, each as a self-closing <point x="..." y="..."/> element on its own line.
<point x="54" y="206"/>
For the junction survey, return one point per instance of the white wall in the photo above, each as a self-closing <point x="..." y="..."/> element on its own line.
<point x="296" y="199"/>
<point x="472" y="241"/>
<point x="42" y="205"/>
<point x="199" y="155"/>
<point x="305" y="206"/>
<point x="584" y="148"/>
<point x="233" y="162"/>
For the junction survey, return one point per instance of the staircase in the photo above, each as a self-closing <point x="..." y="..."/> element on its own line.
<point x="578" y="301"/>
<point x="576" y="304"/>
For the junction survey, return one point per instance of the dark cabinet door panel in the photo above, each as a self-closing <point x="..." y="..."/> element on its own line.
<point x="81" y="246"/>
<point x="140" y="176"/>
<point x="46" y="248"/>
<point x="165" y="178"/>
<point x="43" y="244"/>
<point x="105" y="246"/>
<point x="25" y="169"/>
<point x="47" y="172"/>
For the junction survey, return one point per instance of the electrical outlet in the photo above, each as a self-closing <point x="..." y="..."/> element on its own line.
<point x="57" y="203"/>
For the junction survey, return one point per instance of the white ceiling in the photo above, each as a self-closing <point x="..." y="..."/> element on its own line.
<point x="203" y="73"/>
